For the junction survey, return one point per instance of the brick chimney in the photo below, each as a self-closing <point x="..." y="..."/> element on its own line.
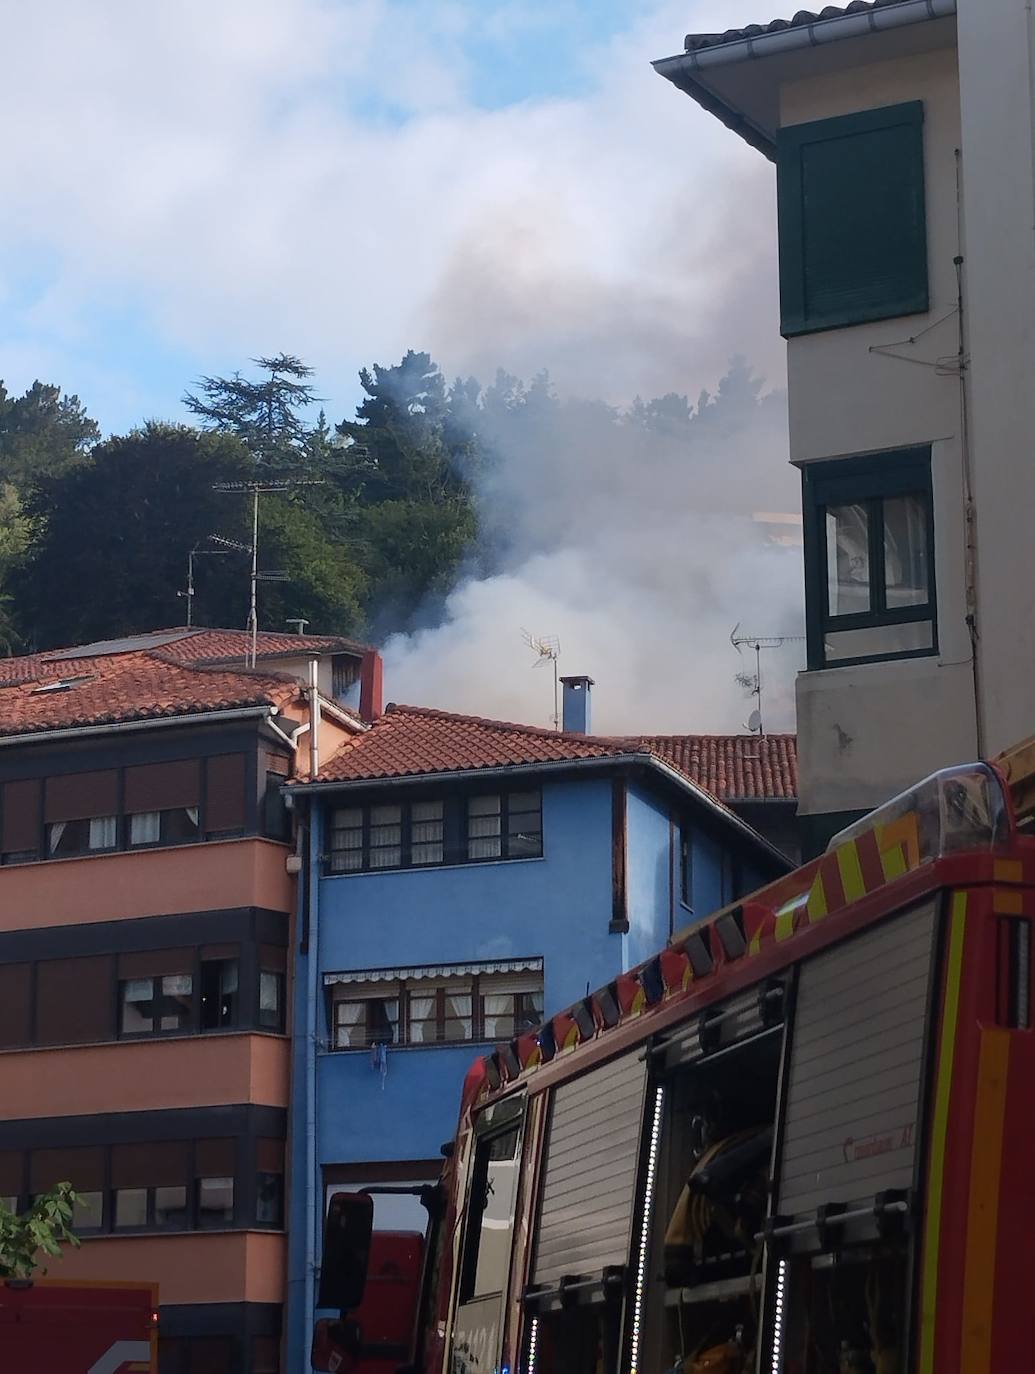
<point x="371" y="686"/>
<point x="575" y="705"/>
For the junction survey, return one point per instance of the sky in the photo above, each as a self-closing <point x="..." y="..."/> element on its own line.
<point x="503" y="183"/>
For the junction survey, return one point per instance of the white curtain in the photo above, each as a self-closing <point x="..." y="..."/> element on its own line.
<point x="145" y="827"/>
<point x="349" y="1018"/>
<point x="499" y="1015"/>
<point x="426" y="833"/>
<point x="193" y="815"/>
<point x="458" y="1023"/>
<point x="56" y="831"/>
<point x="102" y="832"/>
<point x="385" y="836"/>
<point x="421" y="1009"/>
<point x="483" y="828"/>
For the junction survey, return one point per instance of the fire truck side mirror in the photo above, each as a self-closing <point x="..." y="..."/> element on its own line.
<point x="333" y="1343"/>
<point x="346" y="1250"/>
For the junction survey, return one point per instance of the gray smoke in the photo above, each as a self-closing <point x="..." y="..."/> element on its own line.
<point x="638" y="546"/>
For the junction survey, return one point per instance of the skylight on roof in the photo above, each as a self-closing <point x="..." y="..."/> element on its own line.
<point x="62" y="684"/>
<point x="129" y="644"/>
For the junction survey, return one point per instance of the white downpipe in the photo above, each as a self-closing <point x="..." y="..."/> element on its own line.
<point x="314" y="717"/>
<point x="313" y="1213"/>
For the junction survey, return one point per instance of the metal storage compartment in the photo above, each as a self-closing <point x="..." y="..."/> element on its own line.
<point x="589" y="1172"/>
<point x="855" y="1081"/>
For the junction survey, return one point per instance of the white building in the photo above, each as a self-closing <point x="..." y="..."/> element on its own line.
<point x="903" y="134"/>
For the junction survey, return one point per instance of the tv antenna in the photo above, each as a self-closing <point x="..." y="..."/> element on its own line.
<point x="280" y="484"/>
<point x="548" y="650"/>
<point x="196" y="552"/>
<point x="753" y="684"/>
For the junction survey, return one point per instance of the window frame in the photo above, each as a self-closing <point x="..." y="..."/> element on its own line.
<point x="190" y="1025"/>
<point x="793" y="226"/>
<point x="455" y="828"/>
<point x="865" y="480"/>
<point x="476" y="986"/>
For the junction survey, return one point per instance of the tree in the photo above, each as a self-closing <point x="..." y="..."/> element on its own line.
<point x="264" y="415"/>
<point x="42" y="434"/>
<point x="45" y="1227"/>
<point x="114" y="537"/>
<point x="14" y="540"/>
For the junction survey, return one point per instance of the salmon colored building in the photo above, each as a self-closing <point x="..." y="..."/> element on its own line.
<point x="146" y="910"/>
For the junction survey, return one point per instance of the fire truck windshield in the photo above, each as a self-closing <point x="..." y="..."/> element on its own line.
<point x="954" y="810"/>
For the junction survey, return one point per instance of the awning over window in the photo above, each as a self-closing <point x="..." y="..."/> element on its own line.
<point x="386" y="975"/>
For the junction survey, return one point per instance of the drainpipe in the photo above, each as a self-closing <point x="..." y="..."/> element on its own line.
<point x="313" y="1211"/>
<point x="314" y="717"/>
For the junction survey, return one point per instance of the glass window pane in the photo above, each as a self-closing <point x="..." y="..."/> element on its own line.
<point x="350" y="1024"/>
<point x="423" y="1008"/>
<point x="137" y="1006"/>
<point x="524" y="826"/>
<point x="171" y="1207"/>
<point x="905" y="550"/>
<point x="497" y="1220"/>
<point x="848" y="559"/>
<point x="218" y="993"/>
<point x="102" y="832"/>
<point x="271" y="999"/>
<point x="879" y="642"/>
<point x="215" y="1202"/>
<point x="145" y="827"/>
<point x="385" y="836"/>
<point x="179" y="824"/>
<point x="177" y="995"/>
<point x="426" y="832"/>
<point x="130" y="1207"/>
<point x="484" y="828"/>
<point x="10" y="1203"/>
<point x="269" y="1199"/>
<point x="88" y="1212"/>
<point x="457" y="1023"/>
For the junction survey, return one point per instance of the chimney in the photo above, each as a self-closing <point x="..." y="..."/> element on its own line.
<point x="371" y="686"/>
<point x="575" y="713"/>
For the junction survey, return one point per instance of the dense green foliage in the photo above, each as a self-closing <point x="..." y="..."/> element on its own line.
<point x="377" y="518"/>
<point x="41" y="1231"/>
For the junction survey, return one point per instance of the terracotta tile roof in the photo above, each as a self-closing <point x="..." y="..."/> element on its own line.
<point x="696" y="41"/>
<point x="130" y="686"/>
<point x="734" y="767"/>
<point x="411" y="741"/>
<point x="221" y="646"/>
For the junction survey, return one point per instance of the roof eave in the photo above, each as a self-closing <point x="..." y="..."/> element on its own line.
<point x="689" y="70"/>
<point x="44" y="735"/>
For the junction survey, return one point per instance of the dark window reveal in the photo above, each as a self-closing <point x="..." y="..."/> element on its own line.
<point x="853" y="234"/>
<point x="869" y="558"/>
<point x="219" y="990"/>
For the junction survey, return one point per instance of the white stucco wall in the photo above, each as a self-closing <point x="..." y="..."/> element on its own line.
<point x="865" y="732"/>
<point x="998" y="100"/>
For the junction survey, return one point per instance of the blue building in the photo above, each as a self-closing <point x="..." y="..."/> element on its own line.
<point x="461" y="876"/>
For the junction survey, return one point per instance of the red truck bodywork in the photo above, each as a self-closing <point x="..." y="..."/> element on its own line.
<point x="50" y="1327"/>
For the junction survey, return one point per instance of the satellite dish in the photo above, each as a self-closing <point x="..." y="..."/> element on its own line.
<point x="755" y="722"/>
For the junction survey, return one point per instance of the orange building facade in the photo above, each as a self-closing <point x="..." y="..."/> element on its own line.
<point x="146" y="913"/>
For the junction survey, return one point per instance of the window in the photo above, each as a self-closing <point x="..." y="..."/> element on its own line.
<point x="490" y="1214"/>
<point x="151" y="1005"/>
<point x="82" y="836"/>
<point x="84" y="1169"/>
<point x="505" y="826"/>
<point x="869" y="558"/>
<point x="177" y="825"/>
<point x="170" y="1207"/>
<point x="415" y="834"/>
<point x="853" y="236"/>
<point x="75" y="1000"/>
<point x="271" y="1000"/>
<point x="219" y="991"/>
<point x="20" y="820"/>
<point x="215" y="1203"/>
<point x="370" y="1017"/>
<point x="130" y="1208"/>
<point x="436" y="1010"/>
<point x="15" y="1005"/>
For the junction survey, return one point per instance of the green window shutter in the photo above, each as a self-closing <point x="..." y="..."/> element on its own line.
<point x="853" y="233"/>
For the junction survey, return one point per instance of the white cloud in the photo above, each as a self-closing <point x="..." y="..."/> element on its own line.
<point x="315" y="175"/>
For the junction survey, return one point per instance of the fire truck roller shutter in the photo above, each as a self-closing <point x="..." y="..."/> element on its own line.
<point x="589" y="1178"/>
<point x="856" y="1067"/>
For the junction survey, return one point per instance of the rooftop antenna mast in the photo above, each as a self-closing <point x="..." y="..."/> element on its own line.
<point x="754" y="684"/>
<point x="280" y="484"/>
<point x="548" y="650"/>
<point x="196" y="552"/>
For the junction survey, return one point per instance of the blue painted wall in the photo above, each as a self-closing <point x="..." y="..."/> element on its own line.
<point x="558" y="907"/>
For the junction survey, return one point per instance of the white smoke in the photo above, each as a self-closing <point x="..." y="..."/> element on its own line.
<point x="640" y="551"/>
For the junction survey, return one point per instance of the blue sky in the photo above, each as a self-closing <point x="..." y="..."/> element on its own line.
<point x="503" y="182"/>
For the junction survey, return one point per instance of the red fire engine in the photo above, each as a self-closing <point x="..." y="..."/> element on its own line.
<point x="796" y="1141"/>
<point x="55" y="1327"/>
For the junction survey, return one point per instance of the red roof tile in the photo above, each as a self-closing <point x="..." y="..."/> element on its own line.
<point x="130" y="686"/>
<point x="411" y="741"/>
